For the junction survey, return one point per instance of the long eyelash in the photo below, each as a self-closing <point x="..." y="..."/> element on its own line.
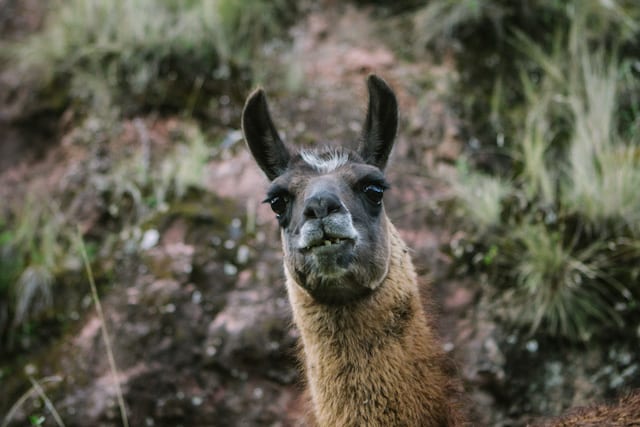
<point x="380" y="182"/>
<point x="384" y="184"/>
<point x="275" y="192"/>
<point x="375" y="177"/>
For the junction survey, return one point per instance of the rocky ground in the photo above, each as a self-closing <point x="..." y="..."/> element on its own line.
<point x="195" y="307"/>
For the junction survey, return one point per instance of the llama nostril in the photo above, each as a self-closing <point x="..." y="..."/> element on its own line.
<point x="311" y="212"/>
<point x="322" y="205"/>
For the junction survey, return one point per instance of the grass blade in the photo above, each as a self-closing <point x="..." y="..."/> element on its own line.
<point x="103" y="327"/>
<point x="29" y="393"/>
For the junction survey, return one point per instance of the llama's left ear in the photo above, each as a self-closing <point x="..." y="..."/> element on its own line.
<point x="381" y="123"/>
<point x="261" y="135"/>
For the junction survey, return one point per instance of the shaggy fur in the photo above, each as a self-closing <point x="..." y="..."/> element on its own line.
<point x="625" y="413"/>
<point x="370" y="355"/>
<point x="375" y="362"/>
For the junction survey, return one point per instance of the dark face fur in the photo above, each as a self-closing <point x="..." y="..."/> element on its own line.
<point x="329" y="202"/>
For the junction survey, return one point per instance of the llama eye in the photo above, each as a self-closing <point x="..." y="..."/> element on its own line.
<point x="374" y="193"/>
<point x="279" y="205"/>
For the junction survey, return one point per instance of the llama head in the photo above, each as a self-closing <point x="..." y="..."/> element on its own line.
<point x="328" y="201"/>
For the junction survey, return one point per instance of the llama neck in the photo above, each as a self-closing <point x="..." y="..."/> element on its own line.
<point x="375" y="362"/>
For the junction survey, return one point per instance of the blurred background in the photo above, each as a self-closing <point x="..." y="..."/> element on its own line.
<point x="129" y="206"/>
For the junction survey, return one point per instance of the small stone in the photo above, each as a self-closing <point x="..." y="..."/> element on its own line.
<point x="150" y="238"/>
<point x="242" y="256"/>
<point x="230" y="269"/>
<point x="196" y="297"/>
<point x="211" y="351"/>
<point x="30" y="369"/>
<point x="258" y="393"/>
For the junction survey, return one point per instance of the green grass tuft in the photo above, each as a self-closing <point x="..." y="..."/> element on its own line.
<point x="480" y="196"/>
<point x="558" y="286"/>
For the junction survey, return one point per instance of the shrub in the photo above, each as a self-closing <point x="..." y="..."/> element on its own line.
<point x="562" y="258"/>
<point x="37" y="235"/>
<point x="34" y="243"/>
<point x="563" y="288"/>
<point x="481" y="196"/>
<point x="248" y="26"/>
<point x="485" y="39"/>
<point x="141" y="54"/>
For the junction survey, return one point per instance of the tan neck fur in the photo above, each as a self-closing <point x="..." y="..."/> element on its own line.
<point x="375" y="362"/>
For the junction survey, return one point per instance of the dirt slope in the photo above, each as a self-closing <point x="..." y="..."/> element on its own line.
<point x="198" y="315"/>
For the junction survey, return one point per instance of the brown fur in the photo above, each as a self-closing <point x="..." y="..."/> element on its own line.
<point x="625" y="413"/>
<point x="376" y="362"/>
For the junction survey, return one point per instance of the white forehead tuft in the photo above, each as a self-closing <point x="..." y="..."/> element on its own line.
<point x="325" y="162"/>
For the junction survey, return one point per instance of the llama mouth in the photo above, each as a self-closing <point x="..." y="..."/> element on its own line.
<point x="328" y="242"/>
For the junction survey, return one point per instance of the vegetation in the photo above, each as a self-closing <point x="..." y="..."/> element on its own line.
<point x="105" y="334"/>
<point x="141" y="54"/>
<point x="488" y="38"/>
<point x="549" y="194"/>
<point x="31" y="252"/>
<point x="548" y="97"/>
<point x="38" y="246"/>
<point x="107" y="60"/>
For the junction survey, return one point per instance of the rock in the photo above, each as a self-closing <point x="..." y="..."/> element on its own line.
<point x="252" y="330"/>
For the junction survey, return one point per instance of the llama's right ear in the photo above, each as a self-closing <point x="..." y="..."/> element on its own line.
<point x="381" y="123"/>
<point x="262" y="137"/>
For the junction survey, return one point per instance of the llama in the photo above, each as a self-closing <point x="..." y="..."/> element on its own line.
<point x="370" y="355"/>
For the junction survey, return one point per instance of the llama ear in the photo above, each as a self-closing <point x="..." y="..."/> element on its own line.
<point x="262" y="137"/>
<point x="381" y="123"/>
